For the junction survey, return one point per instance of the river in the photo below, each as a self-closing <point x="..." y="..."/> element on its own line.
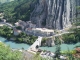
<point x="64" y="47"/>
<point x="26" y="46"/>
<point x="14" y="45"/>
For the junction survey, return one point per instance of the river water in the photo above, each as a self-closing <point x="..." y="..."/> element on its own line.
<point x="14" y="45"/>
<point x="64" y="47"/>
<point x="26" y="46"/>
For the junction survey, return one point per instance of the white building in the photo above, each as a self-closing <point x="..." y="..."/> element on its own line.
<point x="40" y="31"/>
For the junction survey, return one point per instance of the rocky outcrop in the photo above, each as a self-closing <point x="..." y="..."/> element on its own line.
<point x="56" y="14"/>
<point x="74" y="11"/>
<point x="50" y="42"/>
<point x="39" y="14"/>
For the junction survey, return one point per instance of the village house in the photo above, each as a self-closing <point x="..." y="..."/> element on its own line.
<point x="16" y="32"/>
<point x="31" y="29"/>
<point x="39" y="31"/>
<point x="25" y="25"/>
<point x="30" y="24"/>
<point x="21" y="23"/>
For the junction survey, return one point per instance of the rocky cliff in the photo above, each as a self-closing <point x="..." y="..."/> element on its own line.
<point x="55" y="14"/>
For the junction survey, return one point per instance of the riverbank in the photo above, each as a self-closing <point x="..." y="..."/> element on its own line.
<point x="14" y="45"/>
<point x="26" y="46"/>
<point x="22" y="37"/>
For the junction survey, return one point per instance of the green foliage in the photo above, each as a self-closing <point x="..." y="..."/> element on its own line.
<point x="44" y="40"/>
<point x="23" y="37"/>
<point x="6" y="32"/>
<point x="69" y="38"/>
<point x="57" y="40"/>
<point x="7" y="54"/>
<point x="18" y="9"/>
<point x="72" y="37"/>
<point x="77" y="23"/>
<point x="18" y="27"/>
<point x="57" y="52"/>
<point x="68" y="52"/>
<point x="5" y="1"/>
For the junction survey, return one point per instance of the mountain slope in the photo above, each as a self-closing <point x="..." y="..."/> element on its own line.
<point x="54" y="14"/>
<point x="4" y="1"/>
<point x="18" y="9"/>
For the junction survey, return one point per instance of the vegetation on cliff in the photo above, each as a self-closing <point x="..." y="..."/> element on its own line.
<point x="18" y="9"/>
<point x="72" y="37"/>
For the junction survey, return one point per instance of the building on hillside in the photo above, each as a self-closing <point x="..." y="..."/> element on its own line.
<point x="25" y="25"/>
<point x="30" y="24"/>
<point x="40" y="31"/>
<point x="16" y="32"/>
<point x="21" y="23"/>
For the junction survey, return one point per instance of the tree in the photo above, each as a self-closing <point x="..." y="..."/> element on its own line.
<point x="57" y="41"/>
<point x="7" y="54"/>
<point x="57" y="52"/>
<point x="19" y="28"/>
<point x="18" y="9"/>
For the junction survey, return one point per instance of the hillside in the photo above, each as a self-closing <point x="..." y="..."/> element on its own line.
<point x="4" y="1"/>
<point x="18" y="9"/>
<point x="51" y="14"/>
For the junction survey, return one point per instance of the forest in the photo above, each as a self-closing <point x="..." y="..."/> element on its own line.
<point x="18" y="9"/>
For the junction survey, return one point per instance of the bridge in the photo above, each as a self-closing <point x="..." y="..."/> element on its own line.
<point x="33" y="48"/>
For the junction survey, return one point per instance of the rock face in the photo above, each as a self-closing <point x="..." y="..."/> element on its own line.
<point x="54" y="14"/>
<point x="74" y="10"/>
<point x="50" y="42"/>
